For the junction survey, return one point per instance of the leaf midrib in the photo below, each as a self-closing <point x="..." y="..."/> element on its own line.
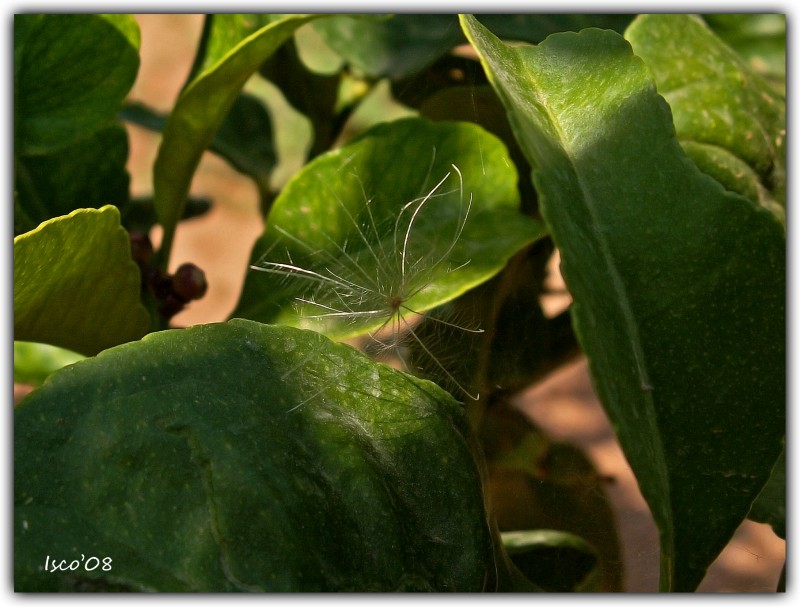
<point x="618" y="285"/>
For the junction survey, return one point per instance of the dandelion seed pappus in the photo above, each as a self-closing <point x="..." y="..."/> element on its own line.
<point x="375" y="273"/>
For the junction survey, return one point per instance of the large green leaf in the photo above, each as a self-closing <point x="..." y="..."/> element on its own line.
<point x="71" y="74"/>
<point x="678" y="285"/>
<point x="89" y="173"/>
<point x="719" y="102"/>
<point x="241" y="456"/>
<point x="75" y="284"/>
<point x="199" y="112"/>
<point x="343" y="243"/>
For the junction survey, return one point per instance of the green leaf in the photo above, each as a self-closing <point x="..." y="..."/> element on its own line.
<point x="240" y="456"/>
<point x="89" y="173"/>
<point x="75" y="284"/>
<point x="678" y="285"/>
<point x="344" y="220"/>
<point x="71" y="74"/>
<point x="716" y="99"/>
<point x="390" y="45"/>
<point x="770" y="506"/>
<point x="734" y="174"/>
<point x="34" y="362"/>
<point x="397" y="46"/>
<point x="535" y="27"/>
<point x="227" y="30"/>
<point x="199" y="112"/>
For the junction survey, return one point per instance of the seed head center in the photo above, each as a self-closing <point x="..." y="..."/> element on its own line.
<point x="395" y="302"/>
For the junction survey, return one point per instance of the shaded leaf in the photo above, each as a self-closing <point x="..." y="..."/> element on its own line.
<point x="245" y="140"/>
<point x="75" y="284"/>
<point x="535" y="27"/>
<point x="480" y="104"/>
<point x="770" y="506"/>
<point x="734" y="174"/>
<point x="678" y="285"/>
<point x="313" y="95"/>
<point x="140" y="214"/>
<point x="345" y="221"/>
<point x="88" y="174"/>
<point x="444" y="74"/>
<point x="390" y="45"/>
<point x="71" y="74"/>
<point x="240" y="456"/>
<point x="397" y="46"/>
<point x="520" y="345"/>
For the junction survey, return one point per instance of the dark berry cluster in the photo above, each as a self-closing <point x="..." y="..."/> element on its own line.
<point x="171" y="292"/>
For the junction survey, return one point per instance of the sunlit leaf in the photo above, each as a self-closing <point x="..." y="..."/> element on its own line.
<point x="34" y="362"/>
<point x="413" y="212"/>
<point x="719" y="102"/>
<point x="75" y="284"/>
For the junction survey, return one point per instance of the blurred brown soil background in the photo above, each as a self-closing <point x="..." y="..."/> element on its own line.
<point x="563" y="406"/>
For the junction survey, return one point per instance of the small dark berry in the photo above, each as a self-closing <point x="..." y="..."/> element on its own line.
<point x="189" y="282"/>
<point x="141" y="248"/>
<point x="170" y="306"/>
<point x="158" y="283"/>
